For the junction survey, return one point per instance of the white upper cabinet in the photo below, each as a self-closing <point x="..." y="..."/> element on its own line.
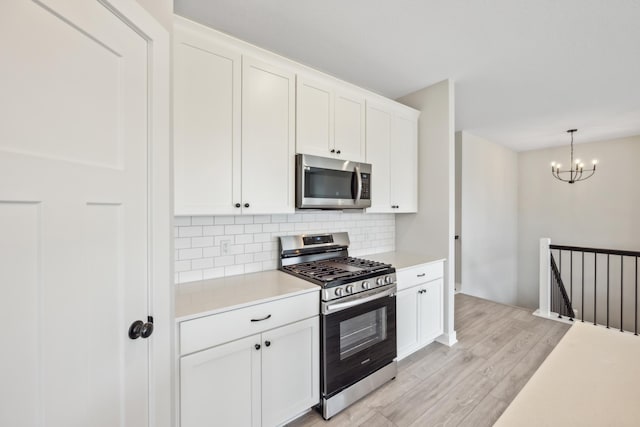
<point x="329" y="121"/>
<point x="392" y="149"/>
<point x="234" y="130"/>
<point x="268" y="144"/>
<point x="404" y="162"/>
<point x="206" y="114"/>
<point x="378" y="148"/>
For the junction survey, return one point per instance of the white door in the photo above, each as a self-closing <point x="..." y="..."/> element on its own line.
<point x="314" y="118"/>
<point x="206" y="114"/>
<point x="407" y="321"/>
<point x="221" y="386"/>
<point x="349" y="126"/>
<point x="378" y="139"/>
<point x="404" y="164"/>
<point x="74" y="215"/>
<point x="430" y="311"/>
<point x="268" y="145"/>
<point x="290" y="371"/>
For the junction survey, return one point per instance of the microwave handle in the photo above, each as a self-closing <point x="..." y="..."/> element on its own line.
<point x="359" y="180"/>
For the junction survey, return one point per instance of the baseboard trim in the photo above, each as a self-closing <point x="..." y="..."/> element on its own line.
<point x="447" y="339"/>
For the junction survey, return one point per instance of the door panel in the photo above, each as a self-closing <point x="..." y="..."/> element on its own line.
<point x="378" y="140"/>
<point x="314" y="118"/>
<point x="407" y="321"/>
<point x="206" y="126"/>
<point x="431" y="311"/>
<point x="349" y="126"/>
<point x="404" y="164"/>
<point x="268" y="114"/>
<point x="221" y="386"/>
<point x="290" y="371"/>
<point x="73" y="156"/>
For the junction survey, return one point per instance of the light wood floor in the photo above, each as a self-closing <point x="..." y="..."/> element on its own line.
<point x="470" y="384"/>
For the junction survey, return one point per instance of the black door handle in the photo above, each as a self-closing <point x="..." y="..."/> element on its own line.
<point x="257" y="346"/>
<point x="141" y="329"/>
<point x="267" y="343"/>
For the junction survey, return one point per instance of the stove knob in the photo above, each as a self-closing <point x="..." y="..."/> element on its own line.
<point x="388" y="280"/>
<point x="379" y="281"/>
<point x="338" y="292"/>
<point x="350" y="289"/>
<point x="366" y="285"/>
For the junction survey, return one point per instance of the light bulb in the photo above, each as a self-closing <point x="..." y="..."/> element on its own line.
<point x="594" y="161"/>
<point x="558" y="165"/>
<point x="553" y="164"/>
<point x="581" y="165"/>
<point x="578" y="161"/>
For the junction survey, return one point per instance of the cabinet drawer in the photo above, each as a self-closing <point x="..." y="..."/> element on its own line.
<point x="198" y="334"/>
<point x="419" y="274"/>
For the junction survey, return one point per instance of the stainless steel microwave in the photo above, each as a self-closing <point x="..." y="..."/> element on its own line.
<point x="324" y="183"/>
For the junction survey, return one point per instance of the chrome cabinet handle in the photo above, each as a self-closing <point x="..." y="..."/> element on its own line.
<point x="260" y="320"/>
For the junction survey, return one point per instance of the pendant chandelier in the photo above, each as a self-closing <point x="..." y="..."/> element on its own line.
<point x="576" y="169"/>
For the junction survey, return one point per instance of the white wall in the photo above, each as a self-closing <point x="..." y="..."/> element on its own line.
<point x="602" y="212"/>
<point x="489" y="219"/>
<point x="431" y="230"/>
<point x="253" y="240"/>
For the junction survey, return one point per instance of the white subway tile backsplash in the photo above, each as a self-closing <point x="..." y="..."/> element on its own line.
<point x="223" y="261"/>
<point x="243" y="239"/>
<point x="224" y="220"/>
<point x="244" y="219"/>
<point x="202" y="220"/>
<point x="189" y="253"/>
<point x="253" y="240"/>
<point x="233" y="229"/>
<point x="189" y="231"/>
<point x="201" y="242"/>
<point x="202" y="263"/>
<point x="182" y="221"/>
<point x="253" y="228"/>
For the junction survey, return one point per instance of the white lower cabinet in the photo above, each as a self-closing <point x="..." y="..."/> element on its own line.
<point x="264" y="379"/>
<point x="419" y="314"/>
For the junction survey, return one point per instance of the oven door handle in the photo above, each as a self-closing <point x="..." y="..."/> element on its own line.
<point x="333" y="308"/>
<point x="359" y="180"/>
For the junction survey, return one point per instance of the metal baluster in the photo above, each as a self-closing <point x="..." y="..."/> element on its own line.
<point x="621" y="290"/>
<point x="607" y="291"/>
<point x="571" y="278"/>
<point x="582" y="302"/>
<point x="595" y="287"/>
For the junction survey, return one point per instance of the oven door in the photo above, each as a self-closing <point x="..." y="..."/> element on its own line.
<point x="359" y="337"/>
<point x="324" y="183"/>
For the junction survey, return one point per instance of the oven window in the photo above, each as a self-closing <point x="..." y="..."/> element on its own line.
<point x="328" y="184"/>
<point x="362" y="332"/>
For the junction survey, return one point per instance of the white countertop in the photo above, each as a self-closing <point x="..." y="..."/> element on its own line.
<point x="402" y="260"/>
<point x="202" y="298"/>
<point x="591" y="378"/>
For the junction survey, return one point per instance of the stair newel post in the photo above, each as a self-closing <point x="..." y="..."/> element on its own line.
<point x="545" y="277"/>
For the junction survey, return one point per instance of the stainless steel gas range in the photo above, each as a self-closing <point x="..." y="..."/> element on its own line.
<point x="358" y="316"/>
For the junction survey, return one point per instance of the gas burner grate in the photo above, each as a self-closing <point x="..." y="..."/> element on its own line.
<point x="335" y="268"/>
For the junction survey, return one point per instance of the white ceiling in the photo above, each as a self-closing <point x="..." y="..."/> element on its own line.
<point x="524" y="71"/>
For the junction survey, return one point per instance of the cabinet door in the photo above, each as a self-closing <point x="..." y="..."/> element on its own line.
<point x="378" y="139"/>
<point x="349" y="126"/>
<point x="404" y="164"/>
<point x="221" y="386"/>
<point x="206" y="134"/>
<point x="268" y="114"/>
<point x="430" y="311"/>
<point x="314" y="118"/>
<point x="290" y="371"/>
<point x="407" y="321"/>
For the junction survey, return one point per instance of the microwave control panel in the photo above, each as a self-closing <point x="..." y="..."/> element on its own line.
<point x="366" y="186"/>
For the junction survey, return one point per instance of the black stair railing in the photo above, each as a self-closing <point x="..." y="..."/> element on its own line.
<point x="560" y="302"/>
<point x="601" y="283"/>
